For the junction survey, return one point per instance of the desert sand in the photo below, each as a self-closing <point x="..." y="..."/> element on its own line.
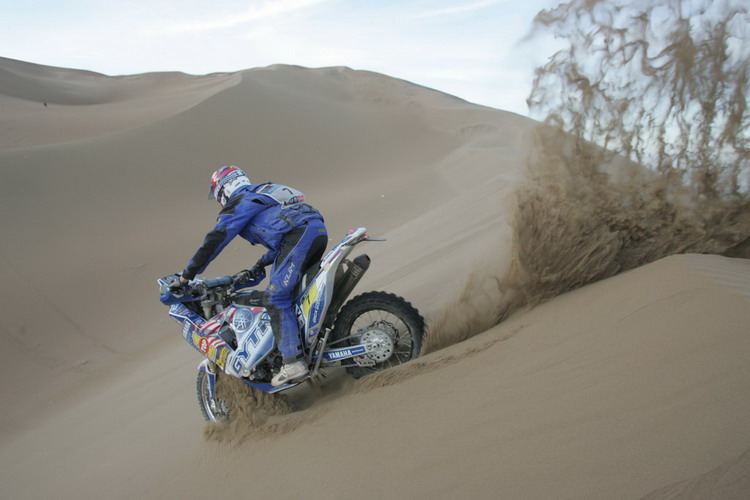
<point x="632" y="386"/>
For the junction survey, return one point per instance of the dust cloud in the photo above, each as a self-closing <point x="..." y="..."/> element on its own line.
<point x="255" y="414"/>
<point x="644" y="152"/>
<point x="250" y="410"/>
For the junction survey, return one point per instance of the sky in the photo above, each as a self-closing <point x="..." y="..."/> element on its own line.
<point x="473" y="49"/>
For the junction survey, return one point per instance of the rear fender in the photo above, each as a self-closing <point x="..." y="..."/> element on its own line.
<point x="313" y="303"/>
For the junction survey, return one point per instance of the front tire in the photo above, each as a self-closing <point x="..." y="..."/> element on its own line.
<point x="385" y="314"/>
<point x="218" y="411"/>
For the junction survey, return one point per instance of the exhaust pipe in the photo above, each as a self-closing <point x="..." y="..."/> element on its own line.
<point x="344" y="284"/>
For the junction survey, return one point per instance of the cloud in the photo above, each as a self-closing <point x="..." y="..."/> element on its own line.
<point x="455" y="10"/>
<point x="420" y="41"/>
<point x="257" y="12"/>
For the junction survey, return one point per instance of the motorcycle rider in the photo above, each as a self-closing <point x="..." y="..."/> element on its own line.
<point x="295" y="235"/>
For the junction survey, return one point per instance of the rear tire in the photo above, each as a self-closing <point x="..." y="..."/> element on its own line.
<point x="381" y="312"/>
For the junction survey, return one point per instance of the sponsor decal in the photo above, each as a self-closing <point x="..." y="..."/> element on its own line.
<point x="237" y="362"/>
<point x="312" y="304"/>
<point x="260" y="330"/>
<point x="186" y="328"/>
<point x="311" y="297"/>
<point x="288" y="274"/>
<point x="207" y="344"/>
<point x="218" y="354"/>
<point x="243" y="320"/>
<point x="344" y="353"/>
<point x="341" y="354"/>
<point x="222" y="359"/>
<point x="210" y="327"/>
<point x="283" y="194"/>
<point x="196" y="340"/>
<point x="317" y="307"/>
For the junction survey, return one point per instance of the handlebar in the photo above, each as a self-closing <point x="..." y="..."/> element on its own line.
<point x="197" y="288"/>
<point x="216" y="282"/>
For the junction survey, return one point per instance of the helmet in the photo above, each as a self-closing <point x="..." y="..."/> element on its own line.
<point x="225" y="182"/>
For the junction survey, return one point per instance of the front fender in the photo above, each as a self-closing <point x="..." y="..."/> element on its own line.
<point x="205" y="367"/>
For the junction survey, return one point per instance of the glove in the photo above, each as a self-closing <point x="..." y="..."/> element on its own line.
<point x="178" y="286"/>
<point x="250" y="277"/>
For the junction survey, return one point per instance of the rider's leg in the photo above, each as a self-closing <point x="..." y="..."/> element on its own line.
<point x="301" y="248"/>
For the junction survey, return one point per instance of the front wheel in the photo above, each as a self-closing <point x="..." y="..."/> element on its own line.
<point x="383" y="319"/>
<point x="213" y="411"/>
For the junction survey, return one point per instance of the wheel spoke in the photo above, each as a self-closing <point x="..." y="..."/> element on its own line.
<point x="403" y="343"/>
<point x="390" y="324"/>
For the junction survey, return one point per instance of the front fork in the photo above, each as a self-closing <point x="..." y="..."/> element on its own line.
<point x="212" y="371"/>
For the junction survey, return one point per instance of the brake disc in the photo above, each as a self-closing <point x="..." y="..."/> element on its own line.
<point x="379" y="339"/>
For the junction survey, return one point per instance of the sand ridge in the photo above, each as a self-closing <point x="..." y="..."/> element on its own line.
<point x="517" y="407"/>
<point x="43" y="105"/>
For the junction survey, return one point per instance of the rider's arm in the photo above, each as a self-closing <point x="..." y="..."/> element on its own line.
<point x="231" y="221"/>
<point x="268" y="258"/>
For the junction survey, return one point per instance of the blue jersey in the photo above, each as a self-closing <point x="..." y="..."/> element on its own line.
<point x="261" y="219"/>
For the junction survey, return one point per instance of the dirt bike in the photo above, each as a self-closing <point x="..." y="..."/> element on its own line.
<point x="231" y="327"/>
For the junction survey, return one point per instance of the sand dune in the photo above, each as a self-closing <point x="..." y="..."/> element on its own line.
<point x="84" y="217"/>
<point x="729" y="480"/>
<point x="629" y="386"/>
<point x="598" y="393"/>
<point x="43" y="105"/>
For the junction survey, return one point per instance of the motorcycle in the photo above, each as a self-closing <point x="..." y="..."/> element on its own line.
<point x="231" y="327"/>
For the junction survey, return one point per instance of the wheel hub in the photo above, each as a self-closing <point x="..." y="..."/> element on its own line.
<point x="378" y="338"/>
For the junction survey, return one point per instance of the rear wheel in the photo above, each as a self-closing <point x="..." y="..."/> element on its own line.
<point x="213" y="411"/>
<point x="383" y="320"/>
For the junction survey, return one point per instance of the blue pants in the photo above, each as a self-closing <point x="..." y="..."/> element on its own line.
<point x="301" y="248"/>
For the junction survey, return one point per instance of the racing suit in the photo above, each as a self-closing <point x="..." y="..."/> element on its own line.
<point x="295" y="236"/>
